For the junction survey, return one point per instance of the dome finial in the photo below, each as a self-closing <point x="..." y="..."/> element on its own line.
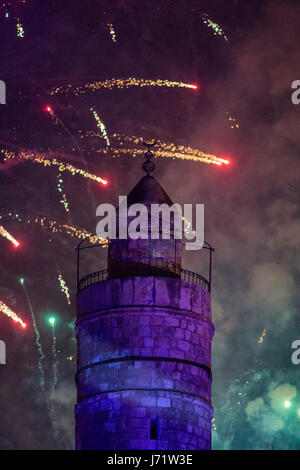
<point x="148" y="166"/>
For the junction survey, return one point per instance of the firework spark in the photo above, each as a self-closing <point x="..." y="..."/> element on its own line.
<point x="161" y="153"/>
<point x="168" y="150"/>
<point x="55" y="227"/>
<point x="112" y="32"/>
<point x="4" y="233"/>
<point x="177" y="151"/>
<point x="64" y="288"/>
<point x="63" y="199"/>
<point x="232" y="121"/>
<point x="9" y="313"/>
<point x="218" y="31"/>
<point x="261" y="338"/>
<point x="47" y="162"/>
<point x="101" y="126"/>
<point x="20" y="29"/>
<point x="118" y="83"/>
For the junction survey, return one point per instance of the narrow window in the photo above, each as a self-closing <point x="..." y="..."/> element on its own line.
<point x="154" y="429"/>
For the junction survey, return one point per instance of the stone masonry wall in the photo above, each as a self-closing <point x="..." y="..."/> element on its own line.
<point x="144" y="351"/>
<point x="122" y="421"/>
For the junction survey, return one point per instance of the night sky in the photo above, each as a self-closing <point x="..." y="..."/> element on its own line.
<point x="252" y="214"/>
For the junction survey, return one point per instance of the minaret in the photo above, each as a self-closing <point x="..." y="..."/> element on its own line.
<point x="144" y="335"/>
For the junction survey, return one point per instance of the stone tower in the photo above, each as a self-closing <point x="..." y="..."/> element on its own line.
<point x="144" y="335"/>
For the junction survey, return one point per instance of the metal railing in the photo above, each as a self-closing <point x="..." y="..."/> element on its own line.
<point x="149" y="270"/>
<point x="195" y="278"/>
<point x="93" y="278"/>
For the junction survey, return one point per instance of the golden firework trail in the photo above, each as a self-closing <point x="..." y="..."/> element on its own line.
<point x="9" y="313"/>
<point x="55" y="227"/>
<point x="118" y="83"/>
<point x="46" y="162"/>
<point x="4" y="233"/>
<point x="177" y="151"/>
<point x="168" y="150"/>
<point x="158" y="153"/>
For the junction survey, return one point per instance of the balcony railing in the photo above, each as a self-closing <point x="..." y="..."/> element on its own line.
<point x="93" y="278"/>
<point x="148" y="270"/>
<point x="141" y="267"/>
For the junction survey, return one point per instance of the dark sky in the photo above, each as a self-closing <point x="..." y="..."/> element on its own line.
<point x="251" y="206"/>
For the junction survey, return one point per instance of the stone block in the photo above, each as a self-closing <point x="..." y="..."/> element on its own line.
<point x="164" y="402"/>
<point x="149" y="342"/>
<point x="171" y="321"/>
<point x="148" y="401"/>
<point x="183" y="345"/>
